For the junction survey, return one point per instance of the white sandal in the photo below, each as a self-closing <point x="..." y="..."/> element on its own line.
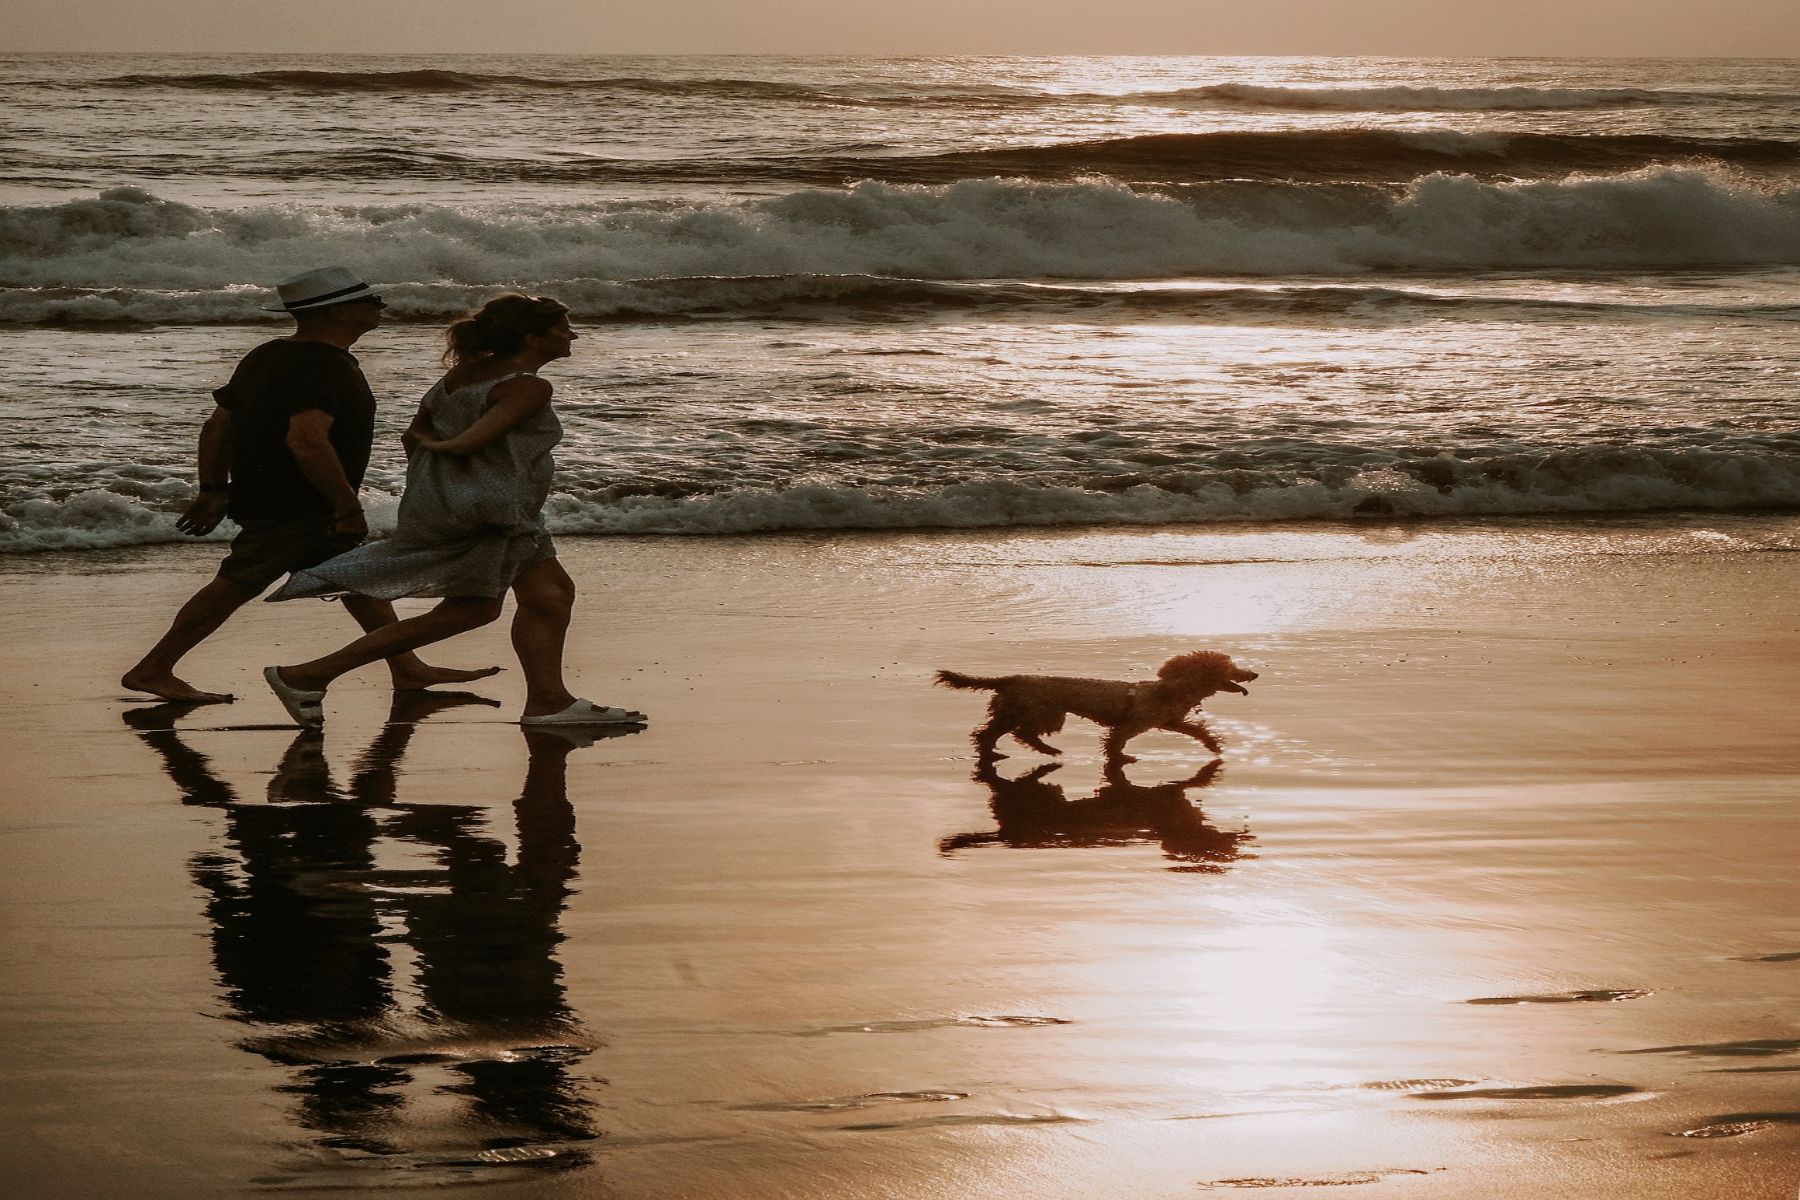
<point x="307" y="708"/>
<point x="586" y="712"/>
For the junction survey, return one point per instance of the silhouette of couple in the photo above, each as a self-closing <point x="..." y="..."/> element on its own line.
<point x="307" y="909"/>
<point x="283" y="455"/>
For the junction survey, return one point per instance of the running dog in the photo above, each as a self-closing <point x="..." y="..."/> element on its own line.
<point x="1030" y="706"/>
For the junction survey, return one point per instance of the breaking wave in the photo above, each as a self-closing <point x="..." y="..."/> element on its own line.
<point x="836" y="297"/>
<point x="127" y="255"/>
<point x="1344" y="154"/>
<point x="1342" y="486"/>
<point x="1279" y="156"/>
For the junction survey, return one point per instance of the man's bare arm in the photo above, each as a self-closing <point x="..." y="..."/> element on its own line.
<point x="208" y="508"/>
<point x="309" y="440"/>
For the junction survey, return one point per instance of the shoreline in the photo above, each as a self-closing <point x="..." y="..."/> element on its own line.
<point x="1494" y="878"/>
<point x="1778" y="526"/>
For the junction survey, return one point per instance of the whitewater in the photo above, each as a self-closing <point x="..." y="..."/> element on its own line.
<point x="840" y="294"/>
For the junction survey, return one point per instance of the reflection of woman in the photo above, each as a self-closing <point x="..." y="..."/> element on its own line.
<point x="305" y="922"/>
<point x="471" y="521"/>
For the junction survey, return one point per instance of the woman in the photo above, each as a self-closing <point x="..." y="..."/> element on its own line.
<point x="470" y="524"/>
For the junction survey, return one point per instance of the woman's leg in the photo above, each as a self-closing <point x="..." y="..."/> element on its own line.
<point x="546" y="597"/>
<point x="458" y="614"/>
<point x="409" y="671"/>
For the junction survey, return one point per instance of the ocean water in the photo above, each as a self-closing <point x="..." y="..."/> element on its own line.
<point x="822" y="294"/>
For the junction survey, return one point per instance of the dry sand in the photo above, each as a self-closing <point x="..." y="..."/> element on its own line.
<point x="1493" y="895"/>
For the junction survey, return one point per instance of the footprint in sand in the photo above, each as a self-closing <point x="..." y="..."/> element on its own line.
<point x="1557" y="1091"/>
<point x="1347" y="1179"/>
<point x="513" y="1155"/>
<point x="1588" y="996"/>
<point x="1738" y="1124"/>
<point x="845" y="1103"/>
<point x="977" y="1022"/>
<point x="1789" y="956"/>
<point x="963" y="1119"/>
<point x="1749" y="1048"/>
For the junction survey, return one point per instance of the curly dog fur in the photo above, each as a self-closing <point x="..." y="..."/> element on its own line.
<point x="1030" y="706"/>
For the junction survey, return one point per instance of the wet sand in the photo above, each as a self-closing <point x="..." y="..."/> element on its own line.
<point x="1493" y="894"/>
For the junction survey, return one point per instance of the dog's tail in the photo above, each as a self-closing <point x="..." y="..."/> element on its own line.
<point x="951" y="679"/>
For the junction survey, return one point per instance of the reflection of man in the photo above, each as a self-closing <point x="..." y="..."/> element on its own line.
<point x="305" y="918"/>
<point x="283" y="455"/>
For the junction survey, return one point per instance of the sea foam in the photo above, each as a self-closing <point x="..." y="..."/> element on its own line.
<point x="127" y="255"/>
<point x="1333" y="155"/>
<point x="1564" y="481"/>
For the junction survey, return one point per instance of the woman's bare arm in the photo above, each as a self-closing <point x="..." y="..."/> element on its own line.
<point x="510" y="404"/>
<point x="420" y="429"/>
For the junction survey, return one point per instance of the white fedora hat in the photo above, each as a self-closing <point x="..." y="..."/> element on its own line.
<point x="316" y="289"/>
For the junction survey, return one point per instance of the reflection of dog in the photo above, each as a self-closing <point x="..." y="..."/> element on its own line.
<point x="1031" y="812"/>
<point x="1029" y="706"/>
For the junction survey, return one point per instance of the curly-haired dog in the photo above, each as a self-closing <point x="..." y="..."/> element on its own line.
<point x="1030" y="706"/>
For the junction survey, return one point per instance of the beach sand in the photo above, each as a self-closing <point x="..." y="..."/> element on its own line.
<point x="1493" y="895"/>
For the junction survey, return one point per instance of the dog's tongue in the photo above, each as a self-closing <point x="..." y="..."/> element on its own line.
<point x="1239" y="688"/>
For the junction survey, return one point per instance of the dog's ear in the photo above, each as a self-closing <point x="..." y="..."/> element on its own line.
<point x="1200" y="662"/>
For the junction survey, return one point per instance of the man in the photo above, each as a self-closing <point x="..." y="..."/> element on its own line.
<point x="283" y="455"/>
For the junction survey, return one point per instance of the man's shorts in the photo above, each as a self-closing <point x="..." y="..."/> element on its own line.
<point x="264" y="551"/>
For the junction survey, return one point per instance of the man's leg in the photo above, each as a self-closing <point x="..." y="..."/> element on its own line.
<point x="195" y="621"/>
<point x="410" y="672"/>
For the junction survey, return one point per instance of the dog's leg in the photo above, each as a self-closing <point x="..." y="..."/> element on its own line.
<point x="1030" y="722"/>
<point x="1204" y="776"/>
<point x="986" y="738"/>
<point x="964" y="841"/>
<point x="1113" y="745"/>
<point x="1198" y="731"/>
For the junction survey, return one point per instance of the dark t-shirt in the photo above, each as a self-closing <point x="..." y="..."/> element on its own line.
<point x="272" y="383"/>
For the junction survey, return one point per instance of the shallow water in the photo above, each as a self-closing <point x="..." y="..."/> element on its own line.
<point x="1475" y="889"/>
<point x="774" y="426"/>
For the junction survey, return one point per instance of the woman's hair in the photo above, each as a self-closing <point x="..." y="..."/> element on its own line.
<point x="500" y="327"/>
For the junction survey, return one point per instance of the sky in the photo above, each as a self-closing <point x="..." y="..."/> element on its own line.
<point x="1754" y="28"/>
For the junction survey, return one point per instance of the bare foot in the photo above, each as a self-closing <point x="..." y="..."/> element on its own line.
<point x="168" y="687"/>
<point x="422" y="676"/>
